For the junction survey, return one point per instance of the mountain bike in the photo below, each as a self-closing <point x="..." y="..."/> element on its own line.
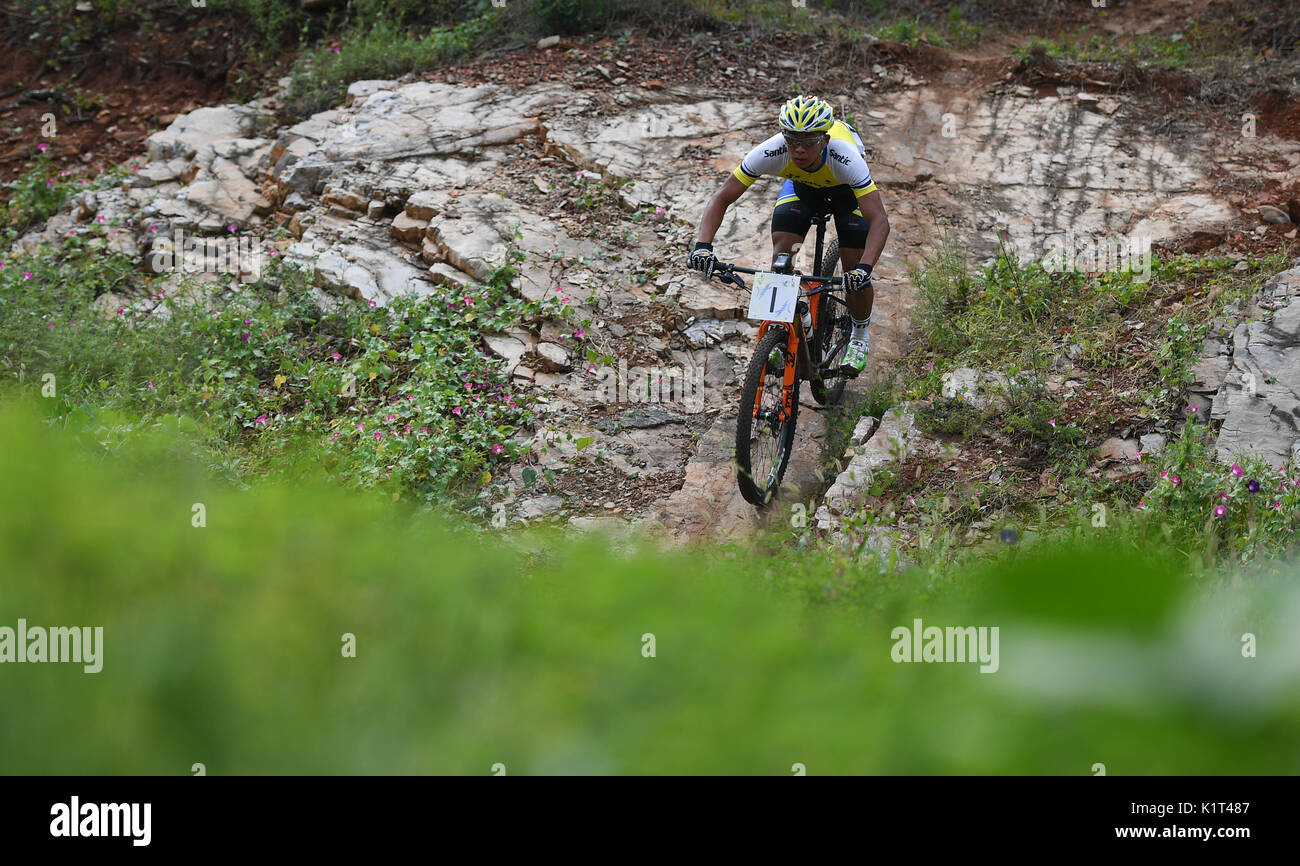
<point x="802" y="337"/>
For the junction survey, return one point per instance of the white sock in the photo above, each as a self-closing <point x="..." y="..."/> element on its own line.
<point x="860" y="329"/>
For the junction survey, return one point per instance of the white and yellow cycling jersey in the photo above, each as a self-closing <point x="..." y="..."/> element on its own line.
<point x="843" y="163"/>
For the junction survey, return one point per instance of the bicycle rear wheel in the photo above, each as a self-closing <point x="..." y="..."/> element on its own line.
<point x="834" y="327"/>
<point x="763" y="439"/>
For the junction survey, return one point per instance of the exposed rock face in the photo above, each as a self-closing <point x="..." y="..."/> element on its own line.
<point x="894" y="439"/>
<point x="408" y="187"/>
<point x="1259" y="402"/>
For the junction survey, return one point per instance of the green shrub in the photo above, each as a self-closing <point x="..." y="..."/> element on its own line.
<point x="1238" y="511"/>
<point x="571" y="16"/>
<point x="321" y="76"/>
<point x="402" y="397"/>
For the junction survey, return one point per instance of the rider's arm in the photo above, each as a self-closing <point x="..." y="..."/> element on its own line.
<point x="874" y="211"/>
<point x="722" y="199"/>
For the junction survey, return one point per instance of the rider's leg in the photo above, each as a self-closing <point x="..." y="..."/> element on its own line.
<point x="791" y="219"/>
<point x="783" y="242"/>
<point x="860" y="302"/>
<point x="852" y="229"/>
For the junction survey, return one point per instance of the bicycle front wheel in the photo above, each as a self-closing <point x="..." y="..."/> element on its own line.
<point x="764" y="432"/>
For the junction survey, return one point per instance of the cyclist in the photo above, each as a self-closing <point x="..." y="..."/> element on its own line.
<point x="824" y="164"/>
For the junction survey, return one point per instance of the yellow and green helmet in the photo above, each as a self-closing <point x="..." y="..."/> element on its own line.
<point x="806" y="114"/>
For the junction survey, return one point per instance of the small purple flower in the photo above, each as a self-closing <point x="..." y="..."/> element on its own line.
<point x="1219" y="511"/>
<point x="1252" y="486"/>
<point x="243" y="338"/>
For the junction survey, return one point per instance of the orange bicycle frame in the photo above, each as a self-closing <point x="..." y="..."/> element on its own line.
<point x="792" y="346"/>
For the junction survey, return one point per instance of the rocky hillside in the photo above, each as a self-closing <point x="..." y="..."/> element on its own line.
<point x="584" y="166"/>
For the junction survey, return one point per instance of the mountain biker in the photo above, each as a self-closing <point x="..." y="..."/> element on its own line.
<point x="824" y="164"/>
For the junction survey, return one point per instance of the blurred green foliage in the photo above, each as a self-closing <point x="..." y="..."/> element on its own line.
<point x="222" y="645"/>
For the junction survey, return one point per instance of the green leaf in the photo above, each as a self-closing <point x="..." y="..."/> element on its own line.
<point x="584" y="442"/>
<point x="530" y="476"/>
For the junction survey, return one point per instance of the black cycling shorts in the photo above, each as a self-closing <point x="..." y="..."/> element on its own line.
<point x="798" y="204"/>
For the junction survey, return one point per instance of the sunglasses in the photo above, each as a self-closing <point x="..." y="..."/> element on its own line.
<point x="795" y="141"/>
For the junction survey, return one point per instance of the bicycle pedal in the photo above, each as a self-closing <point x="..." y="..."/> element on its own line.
<point x="849" y="372"/>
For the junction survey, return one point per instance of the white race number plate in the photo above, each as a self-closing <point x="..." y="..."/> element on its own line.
<point x="774" y="297"/>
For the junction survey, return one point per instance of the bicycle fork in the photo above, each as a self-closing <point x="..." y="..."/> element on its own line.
<point x="796" y="347"/>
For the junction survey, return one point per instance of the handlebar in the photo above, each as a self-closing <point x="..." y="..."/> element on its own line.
<point x="728" y="274"/>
